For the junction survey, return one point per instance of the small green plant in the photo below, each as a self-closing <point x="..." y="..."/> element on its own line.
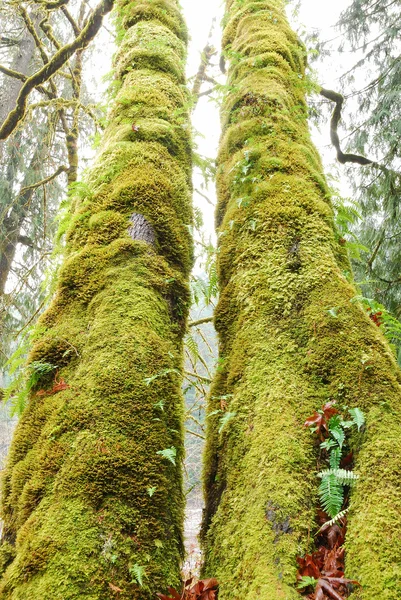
<point x="169" y="453"/>
<point x="138" y="573"/>
<point x="305" y="582"/>
<point x="226" y="418"/>
<point x="149" y="380"/>
<point x="323" y="570"/>
<point x="25" y="380"/>
<point x="331" y="427"/>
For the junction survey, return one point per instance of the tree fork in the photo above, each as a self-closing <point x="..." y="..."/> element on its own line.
<point x="92" y="505"/>
<point x="282" y="352"/>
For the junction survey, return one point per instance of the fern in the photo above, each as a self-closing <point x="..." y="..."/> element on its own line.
<point x="358" y="417"/>
<point x="25" y="379"/>
<point x="192" y="346"/>
<point x="331" y="494"/>
<point x="335" y="457"/>
<point x="138" y="573"/>
<point x="149" y="380"/>
<point x="169" y="453"/>
<point x="335" y="520"/>
<point x="343" y="476"/>
<point x="226" y="419"/>
<point x="306" y="581"/>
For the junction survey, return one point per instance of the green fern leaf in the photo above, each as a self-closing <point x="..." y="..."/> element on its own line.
<point x="358" y="417"/>
<point x="338" y="434"/>
<point x="192" y="346"/>
<point x="331" y="494"/>
<point x="335" y="520"/>
<point x="335" y="457"/>
<point x="343" y="476"/>
<point x="226" y="419"/>
<point x="138" y="573"/>
<point x="169" y="454"/>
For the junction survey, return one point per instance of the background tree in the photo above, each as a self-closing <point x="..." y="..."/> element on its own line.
<point x="370" y="31"/>
<point x="92" y="498"/>
<point x="290" y="338"/>
<point x="29" y="179"/>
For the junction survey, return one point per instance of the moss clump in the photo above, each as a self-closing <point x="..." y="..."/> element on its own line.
<point x="282" y="353"/>
<point x="87" y="499"/>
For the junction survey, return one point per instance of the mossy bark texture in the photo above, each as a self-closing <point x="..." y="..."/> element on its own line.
<point x="91" y="508"/>
<point x="290" y="340"/>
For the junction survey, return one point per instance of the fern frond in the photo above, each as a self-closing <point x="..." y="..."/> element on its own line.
<point x="192" y="346"/>
<point x="169" y="453"/>
<point x="357" y="417"/>
<point x="343" y="476"/>
<point x="138" y="573"/>
<point x="335" y="457"/>
<point x="331" y="494"/>
<point x="335" y="520"/>
<point x="226" y="419"/>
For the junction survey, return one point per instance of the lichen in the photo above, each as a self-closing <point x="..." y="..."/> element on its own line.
<point x="76" y="502"/>
<point x="282" y="353"/>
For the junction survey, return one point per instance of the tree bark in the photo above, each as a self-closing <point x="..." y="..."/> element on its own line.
<point x="92" y="495"/>
<point x="24" y="53"/>
<point x="282" y="352"/>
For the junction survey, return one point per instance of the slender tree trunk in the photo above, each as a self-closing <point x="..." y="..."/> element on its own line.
<point x="282" y="269"/>
<point x="24" y="54"/>
<point x="92" y="495"/>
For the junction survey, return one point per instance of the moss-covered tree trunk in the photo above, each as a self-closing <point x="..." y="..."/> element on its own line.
<point x="92" y="498"/>
<point x="283" y="351"/>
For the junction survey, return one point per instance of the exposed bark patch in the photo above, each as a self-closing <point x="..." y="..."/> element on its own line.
<point x="294" y="260"/>
<point x="141" y="229"/>
<point x="279" y="527"/>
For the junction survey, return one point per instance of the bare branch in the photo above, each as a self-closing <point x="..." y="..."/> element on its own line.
<point x="198" y="435"/>
<point x="53" y="4"/>
<point x="199" y="377"/>
<point x="335" y="140"/>
<point x="60" y="170"/>
<point x="89" y="31"/>
<point x="206" y="57"/>
<point x="12" y="73"/>
<point x="200" y="321"/>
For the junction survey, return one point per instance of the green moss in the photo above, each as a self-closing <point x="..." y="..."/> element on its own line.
<point x="282" y="355"/>
<point x="152" y="46"/>
<point x="165" y="12"/>
<point x="75" y="491"/>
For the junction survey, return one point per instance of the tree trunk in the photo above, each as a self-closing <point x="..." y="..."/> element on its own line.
<point x="92" y="494"/>
<point x="24" y="54"/>
<point x="282" y="268"/>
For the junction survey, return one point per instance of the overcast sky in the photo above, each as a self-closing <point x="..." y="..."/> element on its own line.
<point x="313" y="14"/>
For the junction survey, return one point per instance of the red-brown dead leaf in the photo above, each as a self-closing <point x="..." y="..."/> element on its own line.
<point x="334" y="536"/>
<point x="58" y="386"/>
<point x="205" y="589"/>
<point x="309" y="566"/>
<point x="174" y="593"/>
<point x="347" y="460"/>
<point x="210" y="584"/>
<point x="329" y="590"/>
<point x="320" y="419"/>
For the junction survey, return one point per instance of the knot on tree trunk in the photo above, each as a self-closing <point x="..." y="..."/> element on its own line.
<point x="141" y="229"/>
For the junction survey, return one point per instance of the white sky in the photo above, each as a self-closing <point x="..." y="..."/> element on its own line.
<point x="313" y="14"/>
